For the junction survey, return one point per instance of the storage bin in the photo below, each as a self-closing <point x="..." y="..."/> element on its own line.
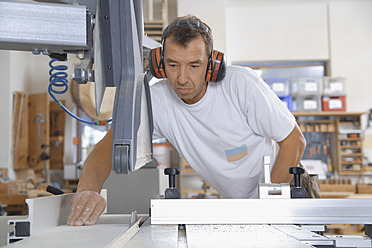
<point x="307" y="86"/>
<point x="307" y="104"/>
<point x="280" y="86"/>
<point x="334" y="103"/>
<point x="287" y="101"/>
<point x="334" y="86"/>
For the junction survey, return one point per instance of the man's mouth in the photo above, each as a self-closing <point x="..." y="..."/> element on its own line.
<point x="183" y="90"/>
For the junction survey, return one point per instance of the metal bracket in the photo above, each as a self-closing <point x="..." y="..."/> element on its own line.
<point x="368" y="230"/>
<point x="44" y="213"/>
<point x="270" y="190"/>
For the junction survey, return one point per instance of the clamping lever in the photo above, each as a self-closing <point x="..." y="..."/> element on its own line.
<point x="172" y="192"/>
<point x="297" y="191"/>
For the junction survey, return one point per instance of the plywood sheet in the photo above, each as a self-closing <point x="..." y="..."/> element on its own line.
<point x="57" y="136"/>
<point x="20" y="130"/>
<point x="38" y="129"/>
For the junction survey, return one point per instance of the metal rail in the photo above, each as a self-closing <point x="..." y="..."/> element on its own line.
<point x="261" y="211"/>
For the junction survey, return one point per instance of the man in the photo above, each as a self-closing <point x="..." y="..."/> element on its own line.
<point x="223" y="129"/>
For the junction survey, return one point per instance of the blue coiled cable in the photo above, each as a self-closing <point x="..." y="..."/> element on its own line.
<point x="58" y="84"/>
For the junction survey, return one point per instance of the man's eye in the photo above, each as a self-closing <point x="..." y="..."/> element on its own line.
<point x="195" y="66"/>
<point x="173" y="65"/>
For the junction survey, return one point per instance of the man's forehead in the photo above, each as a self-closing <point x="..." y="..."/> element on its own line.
<point x="197" y="46"/>
<point x="174" y="42"/>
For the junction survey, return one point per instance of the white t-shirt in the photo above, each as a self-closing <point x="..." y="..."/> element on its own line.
<point x="225" y="135"/>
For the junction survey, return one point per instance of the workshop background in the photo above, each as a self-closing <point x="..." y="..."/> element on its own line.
<point x="316" y="55"/>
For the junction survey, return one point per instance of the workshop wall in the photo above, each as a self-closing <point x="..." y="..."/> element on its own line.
<point x="351" y="49"/>
<point x="276" y="31"/>
<point x="15" y="71"/>
<point x="215" y="17"/>
<point x="300" y="30"/>
<point x="5" y="110"/>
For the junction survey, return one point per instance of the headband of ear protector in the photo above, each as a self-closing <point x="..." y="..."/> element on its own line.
<point x="216" y="68"/>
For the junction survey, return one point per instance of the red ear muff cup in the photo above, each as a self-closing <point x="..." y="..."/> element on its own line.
<point x="216" y="68"/>
<point x="156" y="63"/>
<point x="222" y="69"/>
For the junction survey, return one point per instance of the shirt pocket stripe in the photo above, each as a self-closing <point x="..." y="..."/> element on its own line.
<point x="236" y="153"/>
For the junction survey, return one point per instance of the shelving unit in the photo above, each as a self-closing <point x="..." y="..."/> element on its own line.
<point x="154" y="29"/>
<point x="345" y="132"/>
<point x="350" y="145"/>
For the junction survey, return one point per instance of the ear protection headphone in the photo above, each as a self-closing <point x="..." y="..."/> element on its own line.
<point x="216" y="68"/>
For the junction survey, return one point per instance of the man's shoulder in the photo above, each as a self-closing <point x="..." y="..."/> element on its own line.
<point x="158" y="83"/>
<point x="244" y="70"/>
<point x="159" y="87"/>
<point x="240" y="77"/>
<point x="161" y="93"/>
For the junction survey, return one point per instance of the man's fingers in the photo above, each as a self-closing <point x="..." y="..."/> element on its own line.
<point x="80" y="203"/>
<point x="87" y="211"/>
<point x="98" y="210"/>
<point x="86" y="205"/>
<point x="74" y="207"/>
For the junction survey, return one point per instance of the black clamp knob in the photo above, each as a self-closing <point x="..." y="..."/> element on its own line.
<point x="45" y="156"/>
<point x="297" y="191"/>
<point x="54" y="190"/>
<point x="172" y="192"/>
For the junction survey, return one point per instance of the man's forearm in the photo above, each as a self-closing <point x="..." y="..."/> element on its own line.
<point x="290" y="154"/>
<point x="280" y="172"/>
<point x="97" y="167"/>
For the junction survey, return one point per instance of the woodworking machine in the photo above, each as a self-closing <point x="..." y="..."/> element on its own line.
<point x="268" y="222"/>
<point x="198" y="223"/>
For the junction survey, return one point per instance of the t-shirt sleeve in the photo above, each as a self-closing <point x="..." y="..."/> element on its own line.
<point x="157" y="110"/>
<point x="156" y="133"/>
<point x="266" y="114"/>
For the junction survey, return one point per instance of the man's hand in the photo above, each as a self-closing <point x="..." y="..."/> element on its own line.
<point x="87" y="204"/>
<point x="87" y="207"/>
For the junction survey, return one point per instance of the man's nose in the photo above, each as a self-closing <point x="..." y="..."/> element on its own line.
<point x="183" y="76"/>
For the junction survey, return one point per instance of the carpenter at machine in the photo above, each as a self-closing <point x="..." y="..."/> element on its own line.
<point x="109" y="34"/>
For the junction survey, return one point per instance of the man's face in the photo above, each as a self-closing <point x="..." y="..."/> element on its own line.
<point x="186" y="67"/>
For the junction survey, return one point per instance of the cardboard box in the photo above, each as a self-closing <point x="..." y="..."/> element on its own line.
<point x="3" y="188"/>
<point x="337" y="187"/>
<point x="364" y="188"/>
<point x="16" y="186"/>
<point x="26" y="174"/>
